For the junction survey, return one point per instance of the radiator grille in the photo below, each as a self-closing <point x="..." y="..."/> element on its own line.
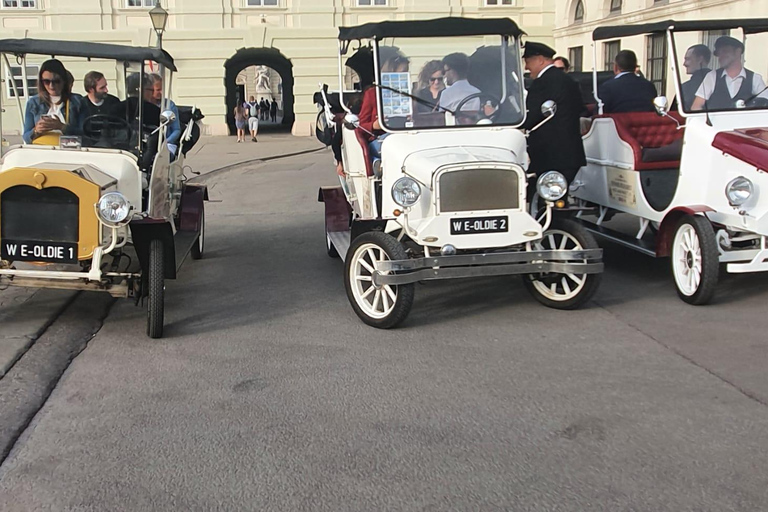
<point x="479" y="189"/>
<point x="47" y="215"/>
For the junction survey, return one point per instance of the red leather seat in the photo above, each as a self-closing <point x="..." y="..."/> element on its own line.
<point x="643" y="130"/>
<point x="362" y="138"/>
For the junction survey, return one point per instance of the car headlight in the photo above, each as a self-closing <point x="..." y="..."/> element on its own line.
<point x="552" y="186"/>
<point x="113" y="208"/>
<point x="739" y="190"/>
<point x="406" y="192"/>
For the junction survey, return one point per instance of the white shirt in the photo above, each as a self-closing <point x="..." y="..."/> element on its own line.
<point x="544" y="70"/>
<point x="707" y="87"/>
<point x="621" y="74"/>
<point x="455" y="94"/>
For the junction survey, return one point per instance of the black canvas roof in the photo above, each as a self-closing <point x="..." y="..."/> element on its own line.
<point x="440" y="27"/>
<point x="749" y="25"/>
<point x="84" y="49"/>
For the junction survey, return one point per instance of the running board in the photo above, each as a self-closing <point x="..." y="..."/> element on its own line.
<point x="341" y="241"/>
<point x="184" y="241"/>
<point x="617" y="237"/>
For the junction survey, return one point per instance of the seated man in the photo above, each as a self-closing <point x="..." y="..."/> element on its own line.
<point x="627" y="92"/>
<point x="696" y="63"/>
<point x="732" y="82"/>
<point x="456" y="70"/>
<point x="98" y="100"/>
<point x="173" y="133"/>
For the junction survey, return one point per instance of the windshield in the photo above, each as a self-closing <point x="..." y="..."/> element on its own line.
<point x="426" y="83"/>
<point x="720" y="71"/>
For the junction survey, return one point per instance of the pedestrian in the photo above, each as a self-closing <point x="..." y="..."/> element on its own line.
<point x="563" y="63"/>
<point x="240" y="120"/>
<point x="557" y="144"/>
<point x="262" y="109"/>
<point x="252" y="111"/>
<point x="273" y="111"/>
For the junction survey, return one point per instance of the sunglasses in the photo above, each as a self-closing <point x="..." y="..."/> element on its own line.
<point x="436" y="79"/>
<point x="55" y="81"/>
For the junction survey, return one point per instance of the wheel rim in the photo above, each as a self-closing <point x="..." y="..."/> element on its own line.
<point x="558" y="287"/>
<point x="687" y="259"/>
<point x="376" y="302"/>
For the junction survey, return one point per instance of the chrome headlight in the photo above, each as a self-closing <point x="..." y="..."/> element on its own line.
<point x="739" y="190"/>
<point x="406" y="192"/>
<point x="113" y="208"/>
<point x="552" y="186"/>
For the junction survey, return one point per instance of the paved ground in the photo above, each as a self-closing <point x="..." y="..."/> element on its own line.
<point x="269" y="394"/>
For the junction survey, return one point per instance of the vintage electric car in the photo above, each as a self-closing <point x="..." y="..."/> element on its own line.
<point x="693" y="178"/>
<point x="447" y="197"/>
<point x="79" y="208"/>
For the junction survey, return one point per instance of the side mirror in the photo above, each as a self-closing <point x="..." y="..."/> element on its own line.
<point x="549" y="108"/>
<point x="167" y="116"/>
<point x="661" y="104"/>
<point x="352" y="120"/>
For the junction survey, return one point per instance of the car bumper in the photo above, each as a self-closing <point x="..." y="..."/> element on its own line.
<point x="400" y="272"/>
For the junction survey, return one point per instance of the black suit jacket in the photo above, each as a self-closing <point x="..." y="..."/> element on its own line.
<point x="557" y="145"/>
<point x="628" y="93"/>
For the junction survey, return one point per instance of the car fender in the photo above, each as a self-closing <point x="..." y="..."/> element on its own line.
<point x="337" y="209"/>
<point x="668" y="224"/>
<point x="143" y="231"/>
<point x="193" y="198"/>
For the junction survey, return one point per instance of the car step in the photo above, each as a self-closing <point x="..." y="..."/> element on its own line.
<point x="644" y="246"/>
<point x="341" y="240"/>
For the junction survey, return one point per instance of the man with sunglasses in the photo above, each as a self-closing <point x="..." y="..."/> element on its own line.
<point x="456" y="68"/>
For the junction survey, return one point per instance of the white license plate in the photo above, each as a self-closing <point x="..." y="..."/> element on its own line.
<point x="49" y="252"/>
<point x="474" y="225"/>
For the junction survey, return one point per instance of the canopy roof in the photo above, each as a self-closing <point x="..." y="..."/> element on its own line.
<point x="749" y="25"/>
<point x="84" y="49"/>
<point x="440" y="27"/>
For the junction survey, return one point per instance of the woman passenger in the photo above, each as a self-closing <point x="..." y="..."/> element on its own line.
<point x="55" y="110"/>
<point x="431" y="85"/>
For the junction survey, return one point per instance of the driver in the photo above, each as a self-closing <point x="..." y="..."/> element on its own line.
<point x="456" y="69"/>
<point x="98" y="100"/>
<point x="731" y="82"/>
<point x="54" y="110"/>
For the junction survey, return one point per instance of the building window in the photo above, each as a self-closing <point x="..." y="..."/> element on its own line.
<point x="368" y="3"/>
<point x="261" y="3"/>
<point x="140" y="3"/>
<point x="710" y="36"/>
<point x="610" y="50"/>
<point x="657" y="62"/>
<point x="576" y="56"/>
<point x="15" y="81"/>
<point x="489" y="3"/>
<point x="615" y="6"/>
<point x="19" y="4"/>
<point x="578" y="13"/>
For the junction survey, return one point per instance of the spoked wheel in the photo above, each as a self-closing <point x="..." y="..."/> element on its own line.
<point x="199" y="248"/>
<point x="378" y="306"/>
<point x="156" y="289"/>
<point x="563" y="291"/>
<point x="695" y="260"/>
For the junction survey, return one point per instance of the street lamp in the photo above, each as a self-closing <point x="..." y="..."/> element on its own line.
<point x="159" y="17"/>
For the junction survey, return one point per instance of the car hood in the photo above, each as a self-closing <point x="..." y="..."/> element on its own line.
<point x="749" y="145"/>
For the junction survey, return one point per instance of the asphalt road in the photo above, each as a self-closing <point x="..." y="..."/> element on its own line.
<point x="269" y="394"/>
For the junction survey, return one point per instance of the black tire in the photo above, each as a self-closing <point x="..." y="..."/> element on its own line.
<point x="710" y="260"/>
<point x="404" y="293"/>
<point x="591" y="281"/>
<point x="199" y="248"/>
<point x="330" y="249"/>
<point x="156" y="289"/>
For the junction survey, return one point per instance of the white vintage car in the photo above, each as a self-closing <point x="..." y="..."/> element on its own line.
<point x="446" y="198"/>
<point x="80" y="207"/>
<point x="692" y="178"/>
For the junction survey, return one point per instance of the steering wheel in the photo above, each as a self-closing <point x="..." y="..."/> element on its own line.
<point x="482" y="112"/>
<point x="108" y="131"/>
<point x="758" y="102"/>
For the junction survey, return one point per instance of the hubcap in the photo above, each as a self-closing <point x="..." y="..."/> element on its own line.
<point x="558" y="287"/>
<point x="687" y="260"/>
<point x="375" y="301"/>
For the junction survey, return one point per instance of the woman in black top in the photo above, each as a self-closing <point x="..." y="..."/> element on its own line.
<point x="431" y="86"/>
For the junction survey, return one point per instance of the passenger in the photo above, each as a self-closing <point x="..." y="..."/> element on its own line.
<point x="98" y="100"/>
<point x="627" y="92"/>
<point x="562" y="63"/>
<point x="392" y="61"/>
<point x="556" y="145"/>
<point x="431" y="86"/>
<point x="456" y="69"/>
<point x="54" y="110"/>
<point x="731" y="82"/>
<point x="696" y="64"/>
<point x="174" y="128"/>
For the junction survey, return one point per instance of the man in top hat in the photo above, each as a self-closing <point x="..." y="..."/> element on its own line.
<point x="557" y="144"/>
<point x="626" y="91"/>
<point x="731" y="82"/>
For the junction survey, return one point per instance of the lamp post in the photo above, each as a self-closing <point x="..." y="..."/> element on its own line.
<point x="159" y="17"/>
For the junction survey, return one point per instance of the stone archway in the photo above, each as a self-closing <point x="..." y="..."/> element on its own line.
<point x="270" y="57"/>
